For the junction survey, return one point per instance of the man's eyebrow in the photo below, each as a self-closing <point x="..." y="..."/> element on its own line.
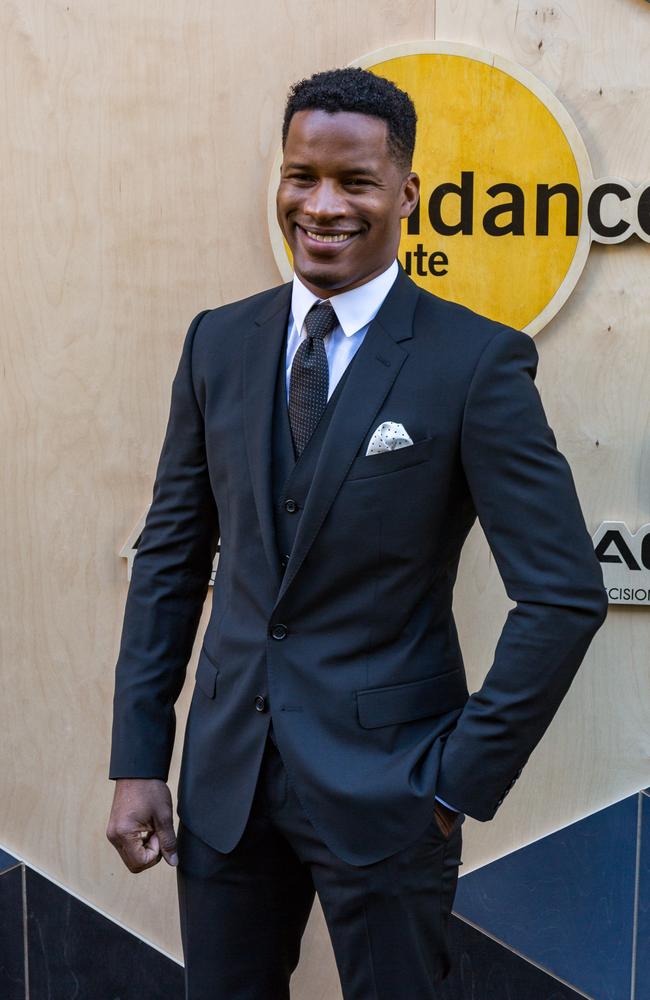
<point x="346" y="171"/>
<point x="297" y="166"/>
<point x="360" y="171"/>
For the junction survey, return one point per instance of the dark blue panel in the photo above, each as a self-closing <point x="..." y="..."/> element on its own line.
<point x="12" y="957"/>
<point x="483" y="969"/>
<point x="566" y="901"/>
<point x="76" y="953"/>
<point x="7" y="861"/>
<point x="643" y="928"/>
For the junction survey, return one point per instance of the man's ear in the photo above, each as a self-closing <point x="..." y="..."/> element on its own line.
<point x="410" y="194"/>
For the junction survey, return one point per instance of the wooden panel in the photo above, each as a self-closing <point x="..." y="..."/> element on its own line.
<point x="593" y="372"/>
<point x="137" y="142"/>
<point x="137" y="145"/>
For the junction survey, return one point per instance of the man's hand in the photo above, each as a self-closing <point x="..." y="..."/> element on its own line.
<point x="445" y="818"/>
<point x="141" y="825"/>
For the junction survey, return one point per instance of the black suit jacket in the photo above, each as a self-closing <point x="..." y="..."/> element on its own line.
<point x="364" y="680"/>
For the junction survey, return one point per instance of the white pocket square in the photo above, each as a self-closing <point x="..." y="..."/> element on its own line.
<point x="387" y="437"/>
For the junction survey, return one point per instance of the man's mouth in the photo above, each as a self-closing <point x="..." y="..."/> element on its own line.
<point x="334" y="237"/>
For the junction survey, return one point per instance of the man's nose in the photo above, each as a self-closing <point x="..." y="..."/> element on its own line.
<point x="324" y="201"/>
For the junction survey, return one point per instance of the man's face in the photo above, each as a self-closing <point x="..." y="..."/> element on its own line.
<point x="341" y="198"/>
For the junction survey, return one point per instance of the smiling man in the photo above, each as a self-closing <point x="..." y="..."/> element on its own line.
<point x="340" y="434"/>
<point x="340" y="211"/>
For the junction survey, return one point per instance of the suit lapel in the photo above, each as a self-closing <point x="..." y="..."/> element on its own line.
<point x="372" y="372"/>
<point x="262" y="347"/>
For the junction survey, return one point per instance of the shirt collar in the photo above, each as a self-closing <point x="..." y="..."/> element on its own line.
<point x="354" y="309"/>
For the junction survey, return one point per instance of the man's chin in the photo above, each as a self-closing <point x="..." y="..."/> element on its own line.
<point x="322" y="278"/>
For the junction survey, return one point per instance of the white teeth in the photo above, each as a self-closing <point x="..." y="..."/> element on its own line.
<point x="339" y="238"/>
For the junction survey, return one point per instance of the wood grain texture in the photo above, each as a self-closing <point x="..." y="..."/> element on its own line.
<point x="137" y="144"/>
<point x="594" y="364"/>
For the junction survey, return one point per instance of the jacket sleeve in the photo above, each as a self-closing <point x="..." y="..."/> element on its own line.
<point x="169" y="582"/>
<point x="525" y="498"/>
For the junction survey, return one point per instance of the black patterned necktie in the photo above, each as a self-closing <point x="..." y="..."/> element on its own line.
<point x="310" y="374"/>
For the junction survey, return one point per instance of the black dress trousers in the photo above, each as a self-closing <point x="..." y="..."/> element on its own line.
<point x="243" y="914"/>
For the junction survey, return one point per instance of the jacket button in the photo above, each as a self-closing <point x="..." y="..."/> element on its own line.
<point x="290" y="506"/>
<point x="279" y="631"/>
<point x="260" y="703"/>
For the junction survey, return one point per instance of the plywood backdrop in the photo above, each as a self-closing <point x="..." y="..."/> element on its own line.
<point x="136" y="145"/>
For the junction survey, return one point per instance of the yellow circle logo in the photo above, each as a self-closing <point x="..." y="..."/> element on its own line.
<point x="501" y="222"/>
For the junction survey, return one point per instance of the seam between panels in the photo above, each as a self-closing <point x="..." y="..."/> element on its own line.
<point x="637" y="875"/>
<point x="25" y="913"/>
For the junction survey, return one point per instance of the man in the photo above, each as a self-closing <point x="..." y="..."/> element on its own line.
<point x="340" y="434"/>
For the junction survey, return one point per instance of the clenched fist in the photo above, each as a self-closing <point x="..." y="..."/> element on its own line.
<point x="141" y="826"/>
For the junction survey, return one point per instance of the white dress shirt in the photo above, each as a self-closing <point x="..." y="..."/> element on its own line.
<point x="355" y="311"/>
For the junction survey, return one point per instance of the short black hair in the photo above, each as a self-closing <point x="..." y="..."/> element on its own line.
<point x="354" y="89"/>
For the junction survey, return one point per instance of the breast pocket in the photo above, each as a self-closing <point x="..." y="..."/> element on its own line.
<point x="391" y="461"/>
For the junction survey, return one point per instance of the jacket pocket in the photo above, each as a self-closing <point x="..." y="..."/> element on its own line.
<point x="206" y="675"/>
<point x="386" y="706"/>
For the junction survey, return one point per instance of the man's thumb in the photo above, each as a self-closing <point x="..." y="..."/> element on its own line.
<point x="167" y="841"/>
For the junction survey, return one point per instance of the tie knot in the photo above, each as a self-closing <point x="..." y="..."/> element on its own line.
<point x="320" y="320"/>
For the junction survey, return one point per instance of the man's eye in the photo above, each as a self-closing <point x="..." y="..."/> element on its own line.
<point x="358" y="181"/>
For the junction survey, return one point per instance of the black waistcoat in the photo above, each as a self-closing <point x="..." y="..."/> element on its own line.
<point x="291" y="478"/>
